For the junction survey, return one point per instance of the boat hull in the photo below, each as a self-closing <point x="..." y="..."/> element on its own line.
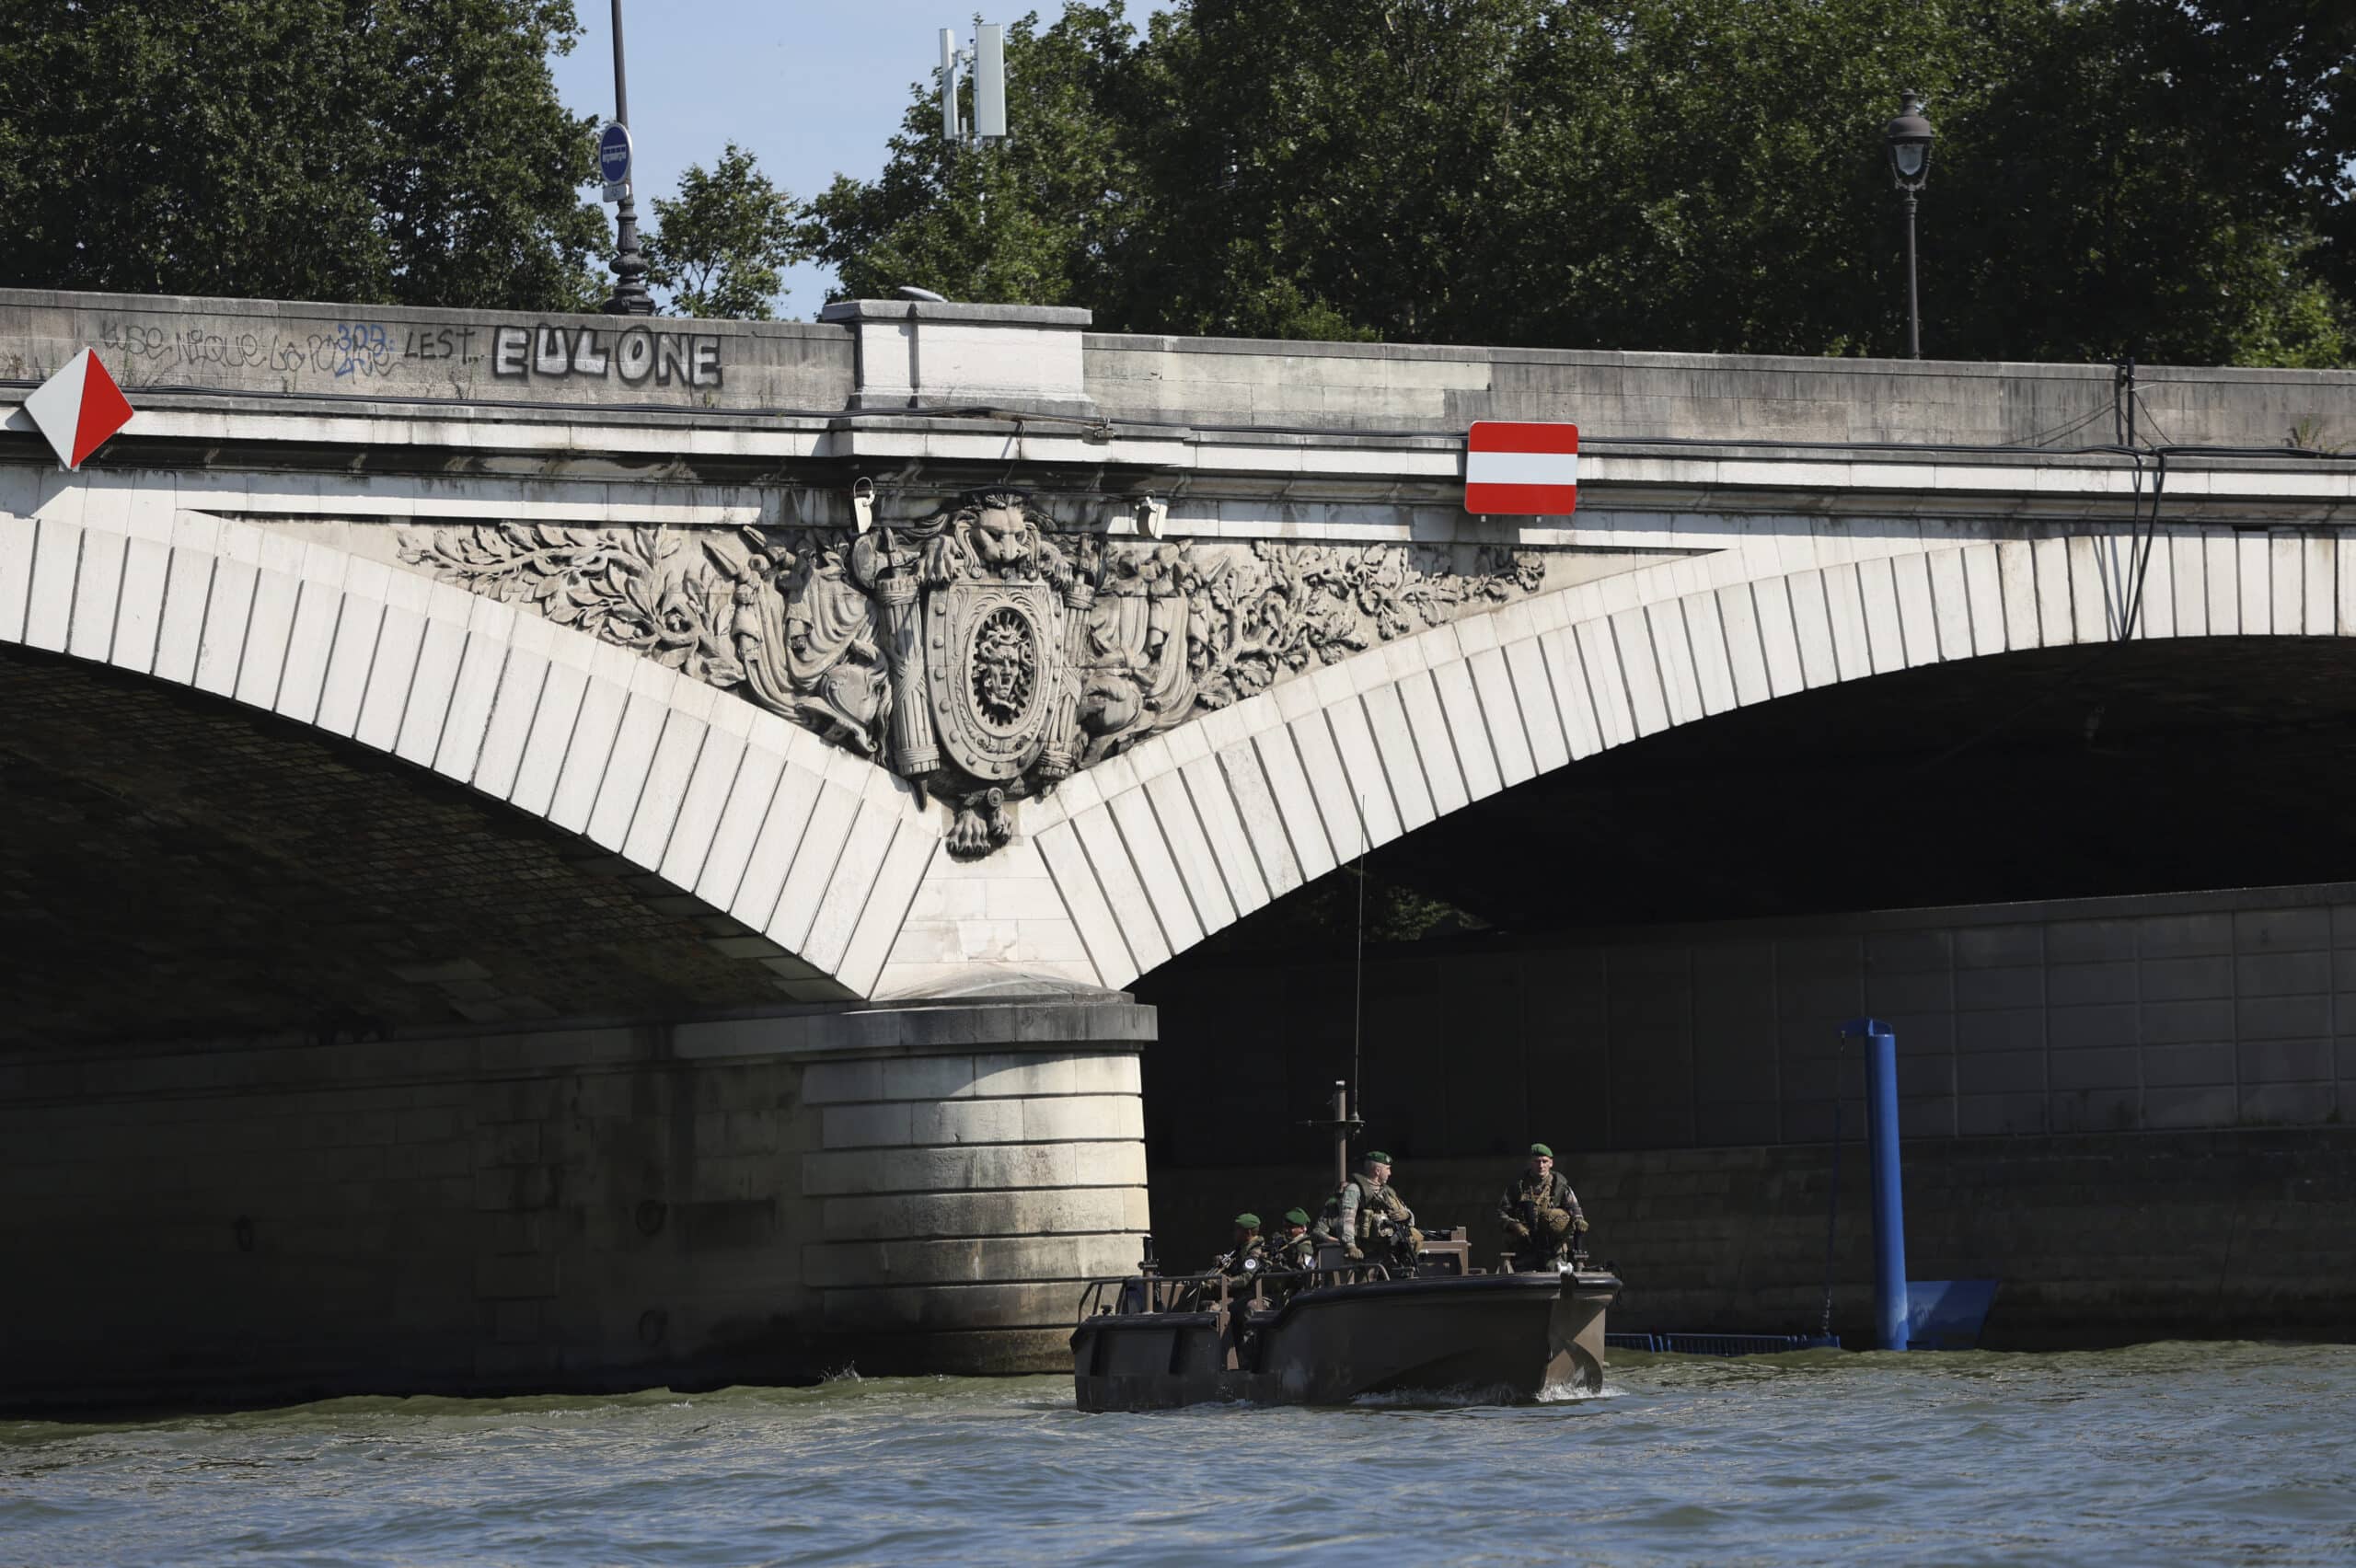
<point x="1493" y="1338"/>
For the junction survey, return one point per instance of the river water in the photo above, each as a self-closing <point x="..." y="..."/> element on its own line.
<point x="2161" y="1454"/>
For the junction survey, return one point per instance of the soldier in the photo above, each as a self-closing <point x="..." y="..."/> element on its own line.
<point x="1368" y="1210"/>
<point x="1294" y="1247"/>
<point x="1540" y="1214"/>
<point x="1250" y="1254"/>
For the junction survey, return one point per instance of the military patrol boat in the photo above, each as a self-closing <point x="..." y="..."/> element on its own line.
<point x="1434" y="1326"/>
<point x="1330" y="1334"/>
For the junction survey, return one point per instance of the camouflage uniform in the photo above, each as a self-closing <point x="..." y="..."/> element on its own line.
<point x="1253" y="1247"/>
<point x="1542" y="1217"/>
<point x="1232" y="1263"/>
<point x="1367" y="1210"/>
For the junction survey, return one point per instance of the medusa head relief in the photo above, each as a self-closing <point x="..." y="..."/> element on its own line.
<point x="1006" y="667"/>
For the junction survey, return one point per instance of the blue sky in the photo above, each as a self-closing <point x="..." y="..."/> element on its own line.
<point x="812" y="88"/>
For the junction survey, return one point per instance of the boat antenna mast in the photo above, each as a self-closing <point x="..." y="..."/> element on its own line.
<point x="1344" y="1126"/>
<point x="1341" y="1123"/>
<point x="1358" y="983"/>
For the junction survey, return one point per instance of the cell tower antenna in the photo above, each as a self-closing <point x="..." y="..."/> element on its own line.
<point x="989" y="81"/>
<point x="988" y="60"/>
<point x="950" y="57"/>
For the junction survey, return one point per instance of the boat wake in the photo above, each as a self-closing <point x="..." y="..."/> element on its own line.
<point x="1439" y="1399"/>
<point x="1465" y="1397"/>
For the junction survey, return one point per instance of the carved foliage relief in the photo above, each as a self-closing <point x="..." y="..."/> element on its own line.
<point x="976" y="652"/>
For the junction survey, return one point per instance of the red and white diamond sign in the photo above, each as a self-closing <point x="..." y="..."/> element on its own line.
<point x="78" y="408"/>
<point x="1513" y="469"/>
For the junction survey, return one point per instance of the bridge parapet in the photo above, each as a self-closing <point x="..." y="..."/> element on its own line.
<point x="882" y="356"/>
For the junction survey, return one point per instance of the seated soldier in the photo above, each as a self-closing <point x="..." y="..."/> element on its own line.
<point x="1248" y="1256"/>
<point x="1293" y="1247"/>
<point x="1541" y="1214"/>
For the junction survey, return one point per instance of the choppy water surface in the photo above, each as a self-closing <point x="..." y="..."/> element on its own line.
<point x="2173" y="1453"/>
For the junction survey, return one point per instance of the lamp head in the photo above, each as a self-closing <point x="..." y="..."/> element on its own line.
<point x="1908" y="140"/>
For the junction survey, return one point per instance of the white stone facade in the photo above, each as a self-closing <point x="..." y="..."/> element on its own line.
<point x="831" y="860"/>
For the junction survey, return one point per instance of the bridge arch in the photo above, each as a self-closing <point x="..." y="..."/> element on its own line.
<point x="814" y="848"/>
<point x="1155" y="850"/>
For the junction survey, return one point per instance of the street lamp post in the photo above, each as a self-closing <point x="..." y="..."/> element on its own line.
<point x="1908" y="141"/>
<point x="630" y="296"/>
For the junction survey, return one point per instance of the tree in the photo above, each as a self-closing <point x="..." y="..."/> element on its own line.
<point x="407" y="151"/>
<point x="2165" y="177"/>
<point x="1032" y="220"/>
<point x="719" y="246"/>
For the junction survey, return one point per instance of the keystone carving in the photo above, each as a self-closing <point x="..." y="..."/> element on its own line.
<point x="975" y="652"/>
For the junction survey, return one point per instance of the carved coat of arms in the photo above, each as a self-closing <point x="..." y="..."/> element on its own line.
<point x="965" y="678"/>
<point x="966" y="650"/>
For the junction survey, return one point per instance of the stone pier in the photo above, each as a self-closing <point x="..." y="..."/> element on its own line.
<point x="914" y="1187"/>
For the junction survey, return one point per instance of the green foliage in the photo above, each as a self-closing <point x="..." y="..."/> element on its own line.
<point x="719" y="247"/>
<point x="407" y="151"/>
<point x="1324" y="917"/>
<point x="1032" y="221"/>
<point x="2169" y="179"/>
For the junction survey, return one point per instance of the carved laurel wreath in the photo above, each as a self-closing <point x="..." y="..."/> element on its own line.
<point x="1251" y="616"/>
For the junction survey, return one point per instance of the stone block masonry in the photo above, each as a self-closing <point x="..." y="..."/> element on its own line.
<point x="2132" y="1110"/>
<point x="2099" y="1239"/>
<point x="757" y="1200"/>
<point x="2139" y="1014"/>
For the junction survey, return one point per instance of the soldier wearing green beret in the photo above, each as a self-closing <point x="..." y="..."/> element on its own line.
<point x="1367" y="1214"/>
<point x="1294" y="1247"/>
<point x="1540" y="1214"/>
<point x="1250" y="1254"/>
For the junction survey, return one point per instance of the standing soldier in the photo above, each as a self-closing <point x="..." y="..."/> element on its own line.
<point x="1368" y="1211"/>
<point x="1540" y="1214"/>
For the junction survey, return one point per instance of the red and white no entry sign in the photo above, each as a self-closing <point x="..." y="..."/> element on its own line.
<point x="1515" y="469"/>
<point x="78" y="408"/>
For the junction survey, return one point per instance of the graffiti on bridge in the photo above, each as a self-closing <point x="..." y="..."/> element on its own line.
<point x="371" y="352"/>
<point x="631" y="355"/>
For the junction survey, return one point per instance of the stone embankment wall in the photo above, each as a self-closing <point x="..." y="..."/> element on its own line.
<point x="771" y="1199"/>
<point x="2103" y="1101"/>
<point x="2180" y="1010"/>
<point x="2099" y="1239"/>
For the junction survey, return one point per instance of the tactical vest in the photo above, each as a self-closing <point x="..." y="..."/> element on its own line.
<point x="1370" y="1193"/>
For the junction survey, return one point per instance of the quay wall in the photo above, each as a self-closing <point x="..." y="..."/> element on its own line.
<point x="772" y="1199"/>
<point x="2099" y="1239"/>
<point x="2097" y="1096"/>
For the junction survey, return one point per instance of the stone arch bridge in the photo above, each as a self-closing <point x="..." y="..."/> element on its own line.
<point x="550" y="878"/>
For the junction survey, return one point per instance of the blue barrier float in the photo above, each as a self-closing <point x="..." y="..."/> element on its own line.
<point x="1929" y="1314"/>
<point x="1889" y="1202"/>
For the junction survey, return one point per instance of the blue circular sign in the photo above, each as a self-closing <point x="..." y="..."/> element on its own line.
<point x="613" y="153"/>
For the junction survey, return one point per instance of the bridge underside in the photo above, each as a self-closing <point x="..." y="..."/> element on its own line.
<point x="182" y="867"/>
<point x="2065" y="773"/>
